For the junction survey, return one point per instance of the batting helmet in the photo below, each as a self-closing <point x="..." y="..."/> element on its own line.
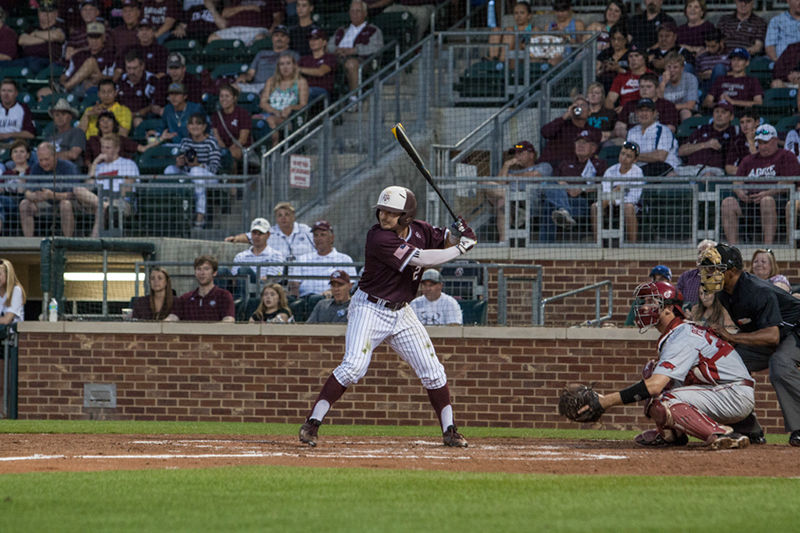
<point x="400" y="200"/>
<point x="661" y="270"/>
<point x="653" y="297"/>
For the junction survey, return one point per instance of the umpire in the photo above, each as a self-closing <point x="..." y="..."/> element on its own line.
<point x="768" y="319"/>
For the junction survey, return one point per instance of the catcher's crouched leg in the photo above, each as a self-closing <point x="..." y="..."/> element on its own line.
<point x="682" y="418"/>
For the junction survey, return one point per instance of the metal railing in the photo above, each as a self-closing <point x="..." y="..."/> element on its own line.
<point x="596" y="287"/>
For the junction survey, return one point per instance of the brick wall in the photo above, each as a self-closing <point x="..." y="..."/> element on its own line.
<point x="503" y="377"/>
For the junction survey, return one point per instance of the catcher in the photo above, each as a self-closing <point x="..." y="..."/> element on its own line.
<point x="698" y="384"/>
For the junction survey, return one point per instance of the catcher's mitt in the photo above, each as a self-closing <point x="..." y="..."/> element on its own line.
<point x="576" y="396"/>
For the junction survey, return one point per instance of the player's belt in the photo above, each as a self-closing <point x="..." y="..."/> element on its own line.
<point x="749" y="383"/>
<point x="385" y="303"/>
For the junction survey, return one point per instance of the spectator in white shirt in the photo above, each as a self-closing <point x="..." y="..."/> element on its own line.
<point x="292" y="239"/>
<point x="435" y="308"/>
<point x="12" y="295"/>
<point x="260" y="251"/>
<point x="329" y="258"/>
<point x="625" y="168"/>
<point x="658" y="148"/>
<point x="355" y="42"/>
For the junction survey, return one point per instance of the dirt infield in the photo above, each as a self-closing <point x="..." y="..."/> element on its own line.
<point x="49" y="453"/>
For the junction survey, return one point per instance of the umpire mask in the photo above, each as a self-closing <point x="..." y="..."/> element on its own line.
<point x="712" y="270"/>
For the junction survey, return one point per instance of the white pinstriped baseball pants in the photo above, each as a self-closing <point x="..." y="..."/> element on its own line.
<point x="369" y="325"/>
<point x="726" y="404"/>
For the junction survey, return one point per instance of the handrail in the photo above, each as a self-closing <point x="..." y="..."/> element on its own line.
<point x="596" y="287"/>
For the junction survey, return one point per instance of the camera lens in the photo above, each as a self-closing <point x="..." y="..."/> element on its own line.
<point x="577" y="111"/>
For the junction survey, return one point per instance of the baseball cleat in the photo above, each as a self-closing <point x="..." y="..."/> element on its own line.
<point x="452" y="437"/>
<point x="309" y="431"/>
<point x="757" y="437"/>
<point x="794" y="438"/>
<point x="652" y="438"/>
<point x="730" y="441"/>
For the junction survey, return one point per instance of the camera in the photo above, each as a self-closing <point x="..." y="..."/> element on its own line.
<point x="577" y="111"/>
<point x="190" y="154"/>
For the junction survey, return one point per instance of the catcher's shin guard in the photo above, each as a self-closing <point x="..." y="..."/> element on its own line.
<point x="686" y="418"/>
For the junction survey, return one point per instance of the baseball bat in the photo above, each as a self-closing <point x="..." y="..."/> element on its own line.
<point x="405" y="142"/>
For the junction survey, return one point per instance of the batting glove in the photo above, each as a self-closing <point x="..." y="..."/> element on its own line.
<point x="466" y="244"/>
<point x="460" y="228"/>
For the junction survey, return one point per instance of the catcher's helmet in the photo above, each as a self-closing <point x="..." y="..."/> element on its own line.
<point x="400" y="200"/>
<point x="651" y="298"/>
<point x="713" y="264"/>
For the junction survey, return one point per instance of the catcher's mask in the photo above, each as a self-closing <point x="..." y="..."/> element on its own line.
<point x="400" y="200"/>
<point x="653" y="297"/>
<point x="713" y="264"/>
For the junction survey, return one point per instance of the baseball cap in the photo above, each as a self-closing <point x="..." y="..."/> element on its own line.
<point x="766" y="132"/>
<point x="591" y="135"/>
<point x="431" y="275"/>
<point x="739" y="52"/>
<point x="633" y="49"/>
<point x="323" y="225"/>
<point x="176" y="59"/>
<point x="662" y="270"/>
<point x="669" y="26"/>
<point x="317" y="33"/>
<point x="522" y="146"/>
<point x="145" y="22"/>
<point x="130" y="3"/>
<point x="95" y="28"/>
<point x="280" y="28"/>
<point x="340" y="276"/>
<point x="724" y="104"/>
<point x="260" y="224"/>
<point x="645" y="102"/>
<point x="176" y="88"/>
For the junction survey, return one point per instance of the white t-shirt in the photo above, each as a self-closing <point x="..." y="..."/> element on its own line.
<point x="16" y="306"/>
<point x="441" y="312"/>
<point x="318" y="286"/>
<point x="118" y="167"/>
<point x="350" y="35"/>
<point x="633" y="194"/>
<point x="656" y="137"/>
<point x="267" y="255"/>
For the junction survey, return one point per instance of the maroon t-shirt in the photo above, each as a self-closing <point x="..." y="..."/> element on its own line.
<point x="261" y="18"/>
<point x="708" y="156"/>
<point x="386" y="272"/>
<point x="212" y="307"/>
<point x="560" y="135"/>
<point x="155" y="57"/>
<point x="156" y="12"/>
<point x="694" y="36"/>
<point x="105" y="62"/>
<point x="8" y="42"/>
<point x="781" y="163"/>
<point x="667" y="113"/>
<point x="120" y="39"/>
<point x="594" y="167"/>
<point x="199" y="22"/>
<point x="326" y="81"/>
<point x="787" y="62"/>
<point x="41" y="49"/>
<point x="237" y="121"/>
<point x="738" y="151"/>
<point x="743" y="88"/>
<point x="136" y="96"/>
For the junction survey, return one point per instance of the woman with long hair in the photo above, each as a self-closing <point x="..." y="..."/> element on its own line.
<point x="616" y="13"/>
<point x="709" y="312"/>
<point x="231" y="124"/>
<point x="12" y="295"/>
<point x="107" y="123"/>
<point x="614" y="59"/>
<point x="764" y="266"/>
<point x="274" y="305"/>
<point x="692" y="35"/>
<point x="523" y="22"/>
<point x="158" y="304"/>
<point x="284" y="93"/>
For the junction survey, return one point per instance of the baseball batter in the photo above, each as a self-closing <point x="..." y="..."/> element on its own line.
<point x="397" y="250"/>
<point x="698" y="383"/>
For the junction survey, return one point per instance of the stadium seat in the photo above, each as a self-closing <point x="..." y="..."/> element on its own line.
<point x="249" y="101"/>
<point x="164" y="211"/>
<point x="157" y="158"/>
<point x="224" y="50"/>
<point x="189" y="48"/>
<point x="687" y="127"/>
<point x="41" y="109"/>
<point x="482" y="80"/>
<point x="258" y="45"/>
<point x="664" y="216"/>
<point x="228" y="69"/>
<point x="779" y="103"/>
<point x="397" y="26"/>
<point x="785" y="124"/>
<point x="473" y="312"/>
<point x="761" y="68"/>
<point x="610" y="154"/>
<point x="140" y="132"/>
<point x="334" y="20"/>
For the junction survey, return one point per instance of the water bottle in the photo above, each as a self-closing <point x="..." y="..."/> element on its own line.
<point x="52" y="310"/>
<point x="491" y="16"/>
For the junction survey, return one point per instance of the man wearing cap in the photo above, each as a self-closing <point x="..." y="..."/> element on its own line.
<point x="264" y="63"/>
<point x="625" y="87"/>
<point x="355" y="42"/>
<point x="648" y="88"/>
<point x="248" y="20"/>
<point x="16" y="119"/>
<point x="70" y="142"/>
<point x="666" y="43"/>
<point x="707" y="147"/>
<point x="743" y="28"/>
<point x="333" y="309"/>
<point x="319" y="66"/>
<point x="77" y="41"/>
<point x="561" y="132"/>
<point x="643" y="27"/>
<point x="87" y="67"/>
<point x="177" y="112"/>
<point x="153" y="54"/>
<point x="658" y="149"/>
<point x="300" y="33"/>
<point x="435" y="308"/>
<point x="737" y="88"/>
<point x="176" y="73"/>
<point x="329" y="259"/>
<point x="661" y="273"/>
<point x="38" y="45"/>
<point x="260" y="251"/>
<point x="125" y="35"/>
<point x="770" y="160"/>
<point x="783" y="29"/>
<point x="136" y="87"/>
<point x="107" y="101"/>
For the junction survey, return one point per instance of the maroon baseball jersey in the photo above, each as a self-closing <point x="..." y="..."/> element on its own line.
<point x="212" y="307"/>
<point x="708" y="156"/>
<point x="560" y="135"/>
<point x="235" y="122"/>
<point x="739" y="150"/>
<point x="105" y="62"/>
<point x="667" y="113"/>
<point x="386" y="257"/>
<point x="326" y="81"/>
<point x="742" y="88"/>
<point x="136" y="96"/>
<point x="157" y="12"/>
<point x="781" y="163"/>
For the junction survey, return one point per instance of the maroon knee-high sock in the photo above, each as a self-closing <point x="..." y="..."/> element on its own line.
<point x="440" y="398"/>
<point x="331" y="391"/>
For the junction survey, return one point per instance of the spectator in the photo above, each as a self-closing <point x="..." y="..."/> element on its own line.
<point x="8" y="40"/>
<point x="176" y="73"/>
<point x="260" y="251"/>
<point x="207" y="303"/>
<point x="112" y="174"/>
<point x="744" y="143"/>
<point x="678" y="86"/>
<point x="292" y="239"/>
<point x="658" y="149"/>
<point x="177" y="112"/>
<point x="318" y="67"/>
<point x="743" y="29"/>
<point x="249" y="20"/>
<point x="764" y="266"/>
<point x="42" y="45"/>
<point x="70" y="142"/>
<point x="783" y="29"/>
<point x="354" y="43"/>
<point x="78" y="42"/>
<point x="561" y="132"/>
<point x="126" y="35"/>
<point x="708" y="146"/>
<point x="264" y="63"/>
<point x="689" y="281"/>
<point x="435" y="308"/>
<point x="421" y="10"/>
<point x="16" y="121"/>
<point x="600" y="116"/>
<point x="709" y="312"/>
<point x="198" y="156"/>
<point x="615" y="13"/>
<point x="106" y="124"/>
<point x="12" y="189"/>
<point x="333" y="309"/>
<point x="147" y="48"/>
<point x="157" y="305"/>
<point x="326" y="256"/>
<point x="661" y="273"/>
<point x="163" y="14"/>
<point x="137" y="87"/>
<point x="231" y="124"/>
<point x="87" y="68"/>
<point x="787" y="68"/>
<point x="644" y="26"/>
<point x="648" y="89"/>
<point x="713" y="62"/>
<point x="613" y="60"/>
<point x="625" y="168"/>
<point x="666" y="44"/>
<point x="737" y="88"/>
<point x="300" y="33"/>
<point x="200" y="21"/>
<point x="523" y="22"/>
<point x="285" y="92"/>
<point x="692" y="35"/>
<point x="770" y="160"/>
<point x="107" y="96"/>
<point x="274" y="306"/>
<point x="39" y="200"/>
<point x="12" y="295"/>
<point x="625" y="87"/>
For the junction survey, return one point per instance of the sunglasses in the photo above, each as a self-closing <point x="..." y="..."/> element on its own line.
<point x="631" y="146"/>
<point x="763" y="131"/>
